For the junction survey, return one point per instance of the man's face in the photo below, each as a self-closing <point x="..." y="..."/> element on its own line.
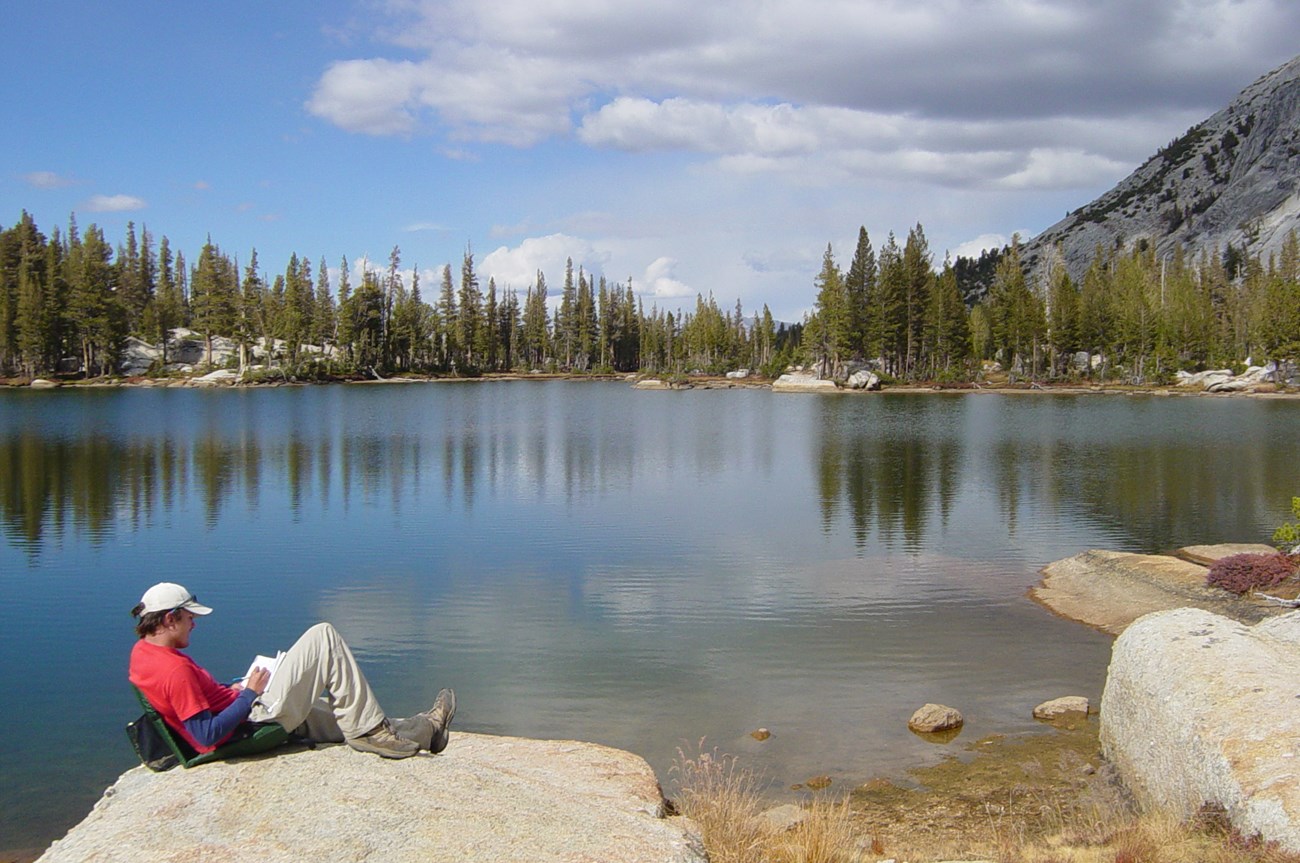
<point x="182" y="624"/>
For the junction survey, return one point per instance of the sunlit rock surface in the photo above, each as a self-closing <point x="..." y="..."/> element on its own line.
<point x="1202" y="709"/>
<point x="484" y="799"/>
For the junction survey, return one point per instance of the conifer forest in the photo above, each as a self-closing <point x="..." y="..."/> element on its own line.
<point x="70" y="299"/>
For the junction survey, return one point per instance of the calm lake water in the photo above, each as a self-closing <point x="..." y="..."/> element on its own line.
<point x="583" y="560"/>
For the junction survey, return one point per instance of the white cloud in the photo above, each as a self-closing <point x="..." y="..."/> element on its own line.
<point x="113" y="203"/>
<point x="1047" y="168"/>
<point x="517" y="267"/>
<point x="47" y="180"/>
<point x="661" y="282"/>
<point x="972" y="248"/>
<point x="758" y="84"/>
<point x="368" y="96"/>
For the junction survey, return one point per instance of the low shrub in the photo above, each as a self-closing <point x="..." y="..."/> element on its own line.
<point x="1287" y="536"/>
<point x="1241" y="573"/>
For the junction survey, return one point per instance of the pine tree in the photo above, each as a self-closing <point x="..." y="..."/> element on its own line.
<point x="889" y="339"/>
<point x="33" y="321"/>
<point x="536" y="324"/>
<point x="831" y="324"/>
<point x="96" y="317"/>
<point x="860" y="287"/>
<point x="250" y="319"/>
<point x="213" y="295"/>
<point x="469" y="318"/>
<point x="449" y="354"/>
<point x="346" y="330"/>
<point x="490" y="349"/>
<point x="947" y="328"/>
<point x="566" y="329"/>
<point x="918" y="273"/>
<point x="325" y="320"/>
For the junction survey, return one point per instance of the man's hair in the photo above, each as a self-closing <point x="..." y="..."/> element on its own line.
<point x="148" y="624"/>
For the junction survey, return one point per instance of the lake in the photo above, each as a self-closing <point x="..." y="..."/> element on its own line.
<point x="584" y="560"/>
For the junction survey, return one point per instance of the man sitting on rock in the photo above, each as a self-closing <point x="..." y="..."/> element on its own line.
<point x="317" y="692"/>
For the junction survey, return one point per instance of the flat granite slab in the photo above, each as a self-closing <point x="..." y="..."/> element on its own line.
<point x="483" y="799"/>
<point x="1208" y="554"/>
<point x="1111" y="589"/>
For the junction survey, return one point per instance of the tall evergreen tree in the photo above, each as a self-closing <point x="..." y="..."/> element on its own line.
<point x="860" y="287"/>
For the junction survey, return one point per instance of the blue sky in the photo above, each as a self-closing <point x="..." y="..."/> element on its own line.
<point x="690" y="147"/>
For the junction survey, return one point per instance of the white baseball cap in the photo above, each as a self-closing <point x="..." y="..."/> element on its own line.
<point x="166" y="596"/>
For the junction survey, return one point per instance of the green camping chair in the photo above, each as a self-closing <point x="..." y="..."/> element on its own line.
<point x="162" y="749"/>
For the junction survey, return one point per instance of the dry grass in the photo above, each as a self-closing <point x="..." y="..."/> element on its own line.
<point x="1024" y="823"/>
<point x="724" y="800"/>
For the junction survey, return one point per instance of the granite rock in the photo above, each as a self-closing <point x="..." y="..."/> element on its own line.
<point x="1201" y="709"/>
<point x="483" y="799"/>
<point x="935" y="717"/>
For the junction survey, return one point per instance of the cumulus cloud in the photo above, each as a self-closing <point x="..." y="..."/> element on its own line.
<point x="518" y="267"/>
<point x="113" y="204"/>
<point x="953" y="92"/>
<point x="661" y="282"/>
<point x="972" y="248"/>
<point x="47" y="180"/>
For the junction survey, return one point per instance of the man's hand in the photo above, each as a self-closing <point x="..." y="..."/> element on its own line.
<point x="257" y="680"/>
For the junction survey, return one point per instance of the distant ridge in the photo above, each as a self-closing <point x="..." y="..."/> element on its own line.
<point x="1232" y="179"/>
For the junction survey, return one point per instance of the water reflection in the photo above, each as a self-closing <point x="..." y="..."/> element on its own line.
<point x="891" y="465"/>
<point x="890" y="468"/>
<point x="1157" y="473"/>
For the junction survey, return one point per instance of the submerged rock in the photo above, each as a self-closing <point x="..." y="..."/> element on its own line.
<point x="484" y="799"/>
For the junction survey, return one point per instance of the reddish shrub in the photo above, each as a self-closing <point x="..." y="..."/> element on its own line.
<point x="1240" y="573"/>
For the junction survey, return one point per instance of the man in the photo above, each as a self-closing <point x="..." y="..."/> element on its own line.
<point x="317" y="691"/>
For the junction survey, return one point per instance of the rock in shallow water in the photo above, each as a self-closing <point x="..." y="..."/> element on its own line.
<point x="1061" y="707"/>
<point x="935" y="717"/>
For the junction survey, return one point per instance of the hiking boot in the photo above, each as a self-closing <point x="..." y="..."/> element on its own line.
<point x="439" y="715"/>
<point x="383" y="742"/>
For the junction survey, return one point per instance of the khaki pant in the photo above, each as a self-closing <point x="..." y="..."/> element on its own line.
<point x="319" y="691"/>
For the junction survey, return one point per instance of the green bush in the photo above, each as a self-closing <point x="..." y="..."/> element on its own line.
<point x="1287" y="536"/>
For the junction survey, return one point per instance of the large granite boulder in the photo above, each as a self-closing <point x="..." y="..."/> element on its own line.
<point x="484" y="799"/>
<point x="864" y="379"/>
<point x="1202" y="709"/>
<point x="137" y="357"/>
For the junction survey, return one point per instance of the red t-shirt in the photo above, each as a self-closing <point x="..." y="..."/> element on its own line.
<point x="177" y="687"/>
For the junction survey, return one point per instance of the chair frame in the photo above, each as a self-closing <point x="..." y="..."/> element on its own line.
<point x="263" y="737"/>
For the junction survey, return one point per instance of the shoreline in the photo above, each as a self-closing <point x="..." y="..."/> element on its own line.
<point x="671" y="382"/>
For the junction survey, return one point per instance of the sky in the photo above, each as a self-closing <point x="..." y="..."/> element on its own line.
<point x="690" y="147"/>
